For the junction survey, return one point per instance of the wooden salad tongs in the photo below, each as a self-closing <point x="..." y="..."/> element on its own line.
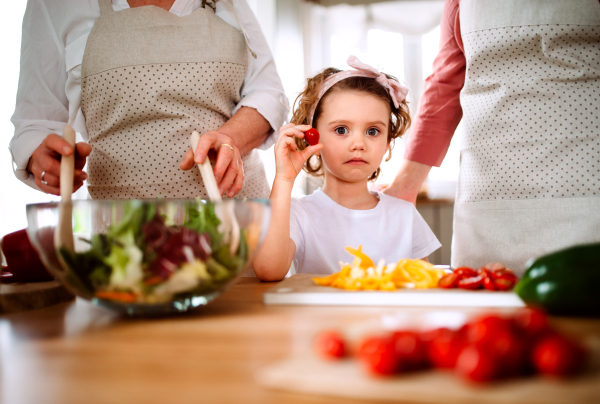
<point x="63" y="233"/>
<point x="224" y="210"/>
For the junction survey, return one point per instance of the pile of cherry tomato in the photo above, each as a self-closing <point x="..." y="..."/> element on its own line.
<point x="488" y="348"/>
<point x="490" y="277"/>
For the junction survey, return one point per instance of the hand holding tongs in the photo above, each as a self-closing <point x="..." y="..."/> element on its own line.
<point x="229" y="226"/>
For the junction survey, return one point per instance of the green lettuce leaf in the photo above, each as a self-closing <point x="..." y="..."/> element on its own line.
<point x="202" y="219"/>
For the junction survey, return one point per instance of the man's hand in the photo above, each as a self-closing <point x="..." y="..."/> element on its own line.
<point x="45" y="162"/>
<point x="228" y="169"/>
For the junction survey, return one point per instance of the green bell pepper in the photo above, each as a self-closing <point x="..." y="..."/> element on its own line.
<point x="566" y="282"/>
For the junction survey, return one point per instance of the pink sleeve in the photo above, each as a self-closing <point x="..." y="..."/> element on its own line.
<point x="440" y="110"/>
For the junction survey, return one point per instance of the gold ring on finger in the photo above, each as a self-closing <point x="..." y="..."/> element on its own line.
<point x="44" y="182"/>
<point x="228" y="145"/>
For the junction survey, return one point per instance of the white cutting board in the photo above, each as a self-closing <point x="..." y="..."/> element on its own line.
<point x="300" y="290"/>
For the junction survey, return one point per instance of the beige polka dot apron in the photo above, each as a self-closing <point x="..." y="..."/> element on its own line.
<point x="150" y="78"/>
<point x="530" y="149"/>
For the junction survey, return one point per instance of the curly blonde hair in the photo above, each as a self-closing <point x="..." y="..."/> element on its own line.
<point x="303" y="105"/>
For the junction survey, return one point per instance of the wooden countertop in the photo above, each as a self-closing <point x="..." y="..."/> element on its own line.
<point x="79" y="353"/>
<point x="437" y="201"/>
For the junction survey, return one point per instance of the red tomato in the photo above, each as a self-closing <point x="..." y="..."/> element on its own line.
<point x="463" y="332"/>
<point x="448" y="281"/>
<point x="488" y="283"/>
<point x="330" y="345"/>
<point x="311" y="136"/>
<point x="477" y="364"/>
<point x="556" y="355"/>
<point x="378" y="354"/>
<point x="465" y="272"/>
<point x="472" y="283"/>
<point x="509" y="351"/>
<point x="531" y="322"/>
<point x="427" y="338"/>
<point x="484" y="271"/>
<point x="482" y="329"/>
<point x="505" y="283"/>
<point x="410" y="350"/>
<point x="504" y="273"/>
<point x="445" y="348"/>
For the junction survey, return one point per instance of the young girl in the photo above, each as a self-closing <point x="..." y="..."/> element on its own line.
<point x="358" y="114"/>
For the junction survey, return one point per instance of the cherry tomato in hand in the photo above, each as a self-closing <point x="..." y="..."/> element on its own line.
<point x="378" y="354"/>
<point x="311" y="136"/>
<point x="330" y="345"/>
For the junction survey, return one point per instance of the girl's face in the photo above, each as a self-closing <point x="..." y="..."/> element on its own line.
<point x="353" y="127"/>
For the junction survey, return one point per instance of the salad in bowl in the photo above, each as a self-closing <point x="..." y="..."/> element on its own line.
<point x="149" y="257"/>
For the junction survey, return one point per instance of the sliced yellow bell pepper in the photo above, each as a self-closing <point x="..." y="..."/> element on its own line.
<point x="327" y="280"/>
<point x="362" y="274"/>
<point x="365" y="260"/>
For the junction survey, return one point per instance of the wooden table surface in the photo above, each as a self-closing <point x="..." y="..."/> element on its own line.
<point x="78" y="353"/>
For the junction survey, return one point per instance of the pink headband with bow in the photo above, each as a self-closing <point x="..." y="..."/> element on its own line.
<point x="396" y="90"/>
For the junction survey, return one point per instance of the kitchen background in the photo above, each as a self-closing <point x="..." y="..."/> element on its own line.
<point x="398" y="37"/>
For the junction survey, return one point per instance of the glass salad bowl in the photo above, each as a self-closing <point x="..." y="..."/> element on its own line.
<point x="150" y="257"/>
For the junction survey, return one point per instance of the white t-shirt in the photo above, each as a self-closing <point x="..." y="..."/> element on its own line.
<point x="49" y="93"/>
<point x="321" y="230"/>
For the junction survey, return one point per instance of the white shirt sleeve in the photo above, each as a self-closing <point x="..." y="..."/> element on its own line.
<point x="41" y="105"/>
<point x="262" y="89"/>
<point x="424" y="241"/>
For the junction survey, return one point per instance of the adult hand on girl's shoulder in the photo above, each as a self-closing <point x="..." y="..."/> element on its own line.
<point x="408" y="181"/>
<point x="289" y="159"/>
<point x="401" y="192"/>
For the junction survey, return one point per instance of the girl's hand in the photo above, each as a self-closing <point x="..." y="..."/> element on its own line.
<point x="228" y="169"/>
<point x="288" y="159"/>
<point x="46" y="160"/>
